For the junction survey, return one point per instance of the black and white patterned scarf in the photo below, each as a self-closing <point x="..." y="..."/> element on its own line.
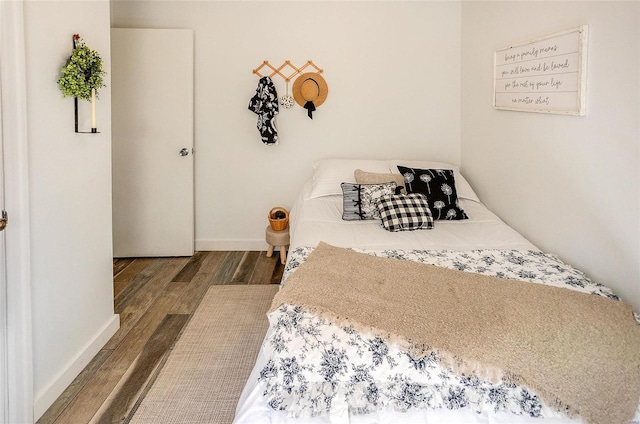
<point x="265" y="104"/>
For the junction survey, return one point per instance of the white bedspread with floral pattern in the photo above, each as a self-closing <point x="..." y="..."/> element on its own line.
<point x="316" y="367"/>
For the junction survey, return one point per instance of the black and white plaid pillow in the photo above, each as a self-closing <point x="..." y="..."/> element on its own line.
<point x="405" y="212"/>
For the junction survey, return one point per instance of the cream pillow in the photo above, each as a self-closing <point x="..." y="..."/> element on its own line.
<point x="364" y="177"/>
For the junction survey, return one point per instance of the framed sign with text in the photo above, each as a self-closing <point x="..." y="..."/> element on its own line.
<point x="547" y="74"/>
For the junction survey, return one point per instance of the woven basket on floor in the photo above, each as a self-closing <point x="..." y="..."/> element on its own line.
<point x="278" y="224"/>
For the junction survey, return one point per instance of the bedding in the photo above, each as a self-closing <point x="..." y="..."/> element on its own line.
<point x="330" y="173"/>
<point x="313" y="370"/>
<point x="486" y="321"/>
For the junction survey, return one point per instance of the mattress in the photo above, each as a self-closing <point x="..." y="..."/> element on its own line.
<point x="320" y="219"/>
<point x="462" y="245"/>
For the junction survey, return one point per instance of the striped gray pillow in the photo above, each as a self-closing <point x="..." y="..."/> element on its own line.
<point x="360" y="201"/>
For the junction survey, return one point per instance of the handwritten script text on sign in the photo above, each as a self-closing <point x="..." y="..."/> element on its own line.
<point x="541" y="75"/>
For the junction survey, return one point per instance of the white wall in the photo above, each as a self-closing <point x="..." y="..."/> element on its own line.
<point x="569" y="184"/>
<point x="393" y="71"/>
<point x="414" y="79"/>
<point x="70" y="200"/>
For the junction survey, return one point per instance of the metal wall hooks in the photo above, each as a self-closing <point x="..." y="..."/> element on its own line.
<point x="282" y="69"/>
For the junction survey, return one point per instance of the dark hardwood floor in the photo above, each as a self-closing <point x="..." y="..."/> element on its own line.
<point x="155" y="298"/>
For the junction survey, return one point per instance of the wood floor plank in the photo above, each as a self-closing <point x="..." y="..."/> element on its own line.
<point x="193" y="293"/>
<point x="74" y="388"/>
<point x="263" y="270"/>
<point x="126" y="276"/>
<point x="97" y="390"/>
<point x="277" y="273"/>
<point x="136" y="266"/>
<point x="228" y="268"/>
<point x="120" y="402"/>
<point x="124" y="297"/>
<point x="143" y="298"/>
<point x="118" y="286"/>
<point x="191" y="268"/>
<point x="121" y="263"/>
<point x="245" y="268"/>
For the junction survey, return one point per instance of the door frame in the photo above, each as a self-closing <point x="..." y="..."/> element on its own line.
<point x="18" y="343"/>
<point x="4" y="366"/>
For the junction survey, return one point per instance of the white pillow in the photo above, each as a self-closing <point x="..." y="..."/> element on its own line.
<point x="422" y="164"/>
<point x="462" y="185"/>
<point x="330" y="173"/>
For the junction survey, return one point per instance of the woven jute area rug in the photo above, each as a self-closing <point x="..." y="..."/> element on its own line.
<point x="208" y="367"/>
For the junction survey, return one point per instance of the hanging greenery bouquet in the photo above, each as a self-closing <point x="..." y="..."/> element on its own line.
<point x="82" y="72"/>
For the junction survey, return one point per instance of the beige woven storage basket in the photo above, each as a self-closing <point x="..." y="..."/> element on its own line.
<point x="278" y="224"/>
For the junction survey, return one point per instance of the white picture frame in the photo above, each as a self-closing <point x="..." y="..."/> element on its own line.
<point x="547" y="74"/>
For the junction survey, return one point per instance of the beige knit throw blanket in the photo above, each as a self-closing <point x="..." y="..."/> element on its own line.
<point x="577" y="351"/>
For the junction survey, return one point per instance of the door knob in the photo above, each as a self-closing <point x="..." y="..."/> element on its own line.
<point x="184" y="151"/>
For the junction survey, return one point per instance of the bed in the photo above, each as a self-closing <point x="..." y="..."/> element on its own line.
<point x="313" y="370"/>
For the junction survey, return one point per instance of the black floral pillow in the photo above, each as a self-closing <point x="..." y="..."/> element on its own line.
<point x="440" y="188"/>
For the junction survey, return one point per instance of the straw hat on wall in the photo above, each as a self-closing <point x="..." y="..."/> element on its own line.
<point x="310" y="91"/>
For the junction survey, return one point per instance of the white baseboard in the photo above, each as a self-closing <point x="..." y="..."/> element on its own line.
<point x="47" y="396"/>
<point x="209" y="245"/>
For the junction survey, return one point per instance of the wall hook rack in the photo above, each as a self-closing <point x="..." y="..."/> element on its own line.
<point x="282" y="69"/>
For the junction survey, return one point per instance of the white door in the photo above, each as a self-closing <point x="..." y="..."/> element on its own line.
<point x="152" y="132"/>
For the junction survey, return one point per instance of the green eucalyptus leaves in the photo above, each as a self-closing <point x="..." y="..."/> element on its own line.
<point x="82" y="72"/>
